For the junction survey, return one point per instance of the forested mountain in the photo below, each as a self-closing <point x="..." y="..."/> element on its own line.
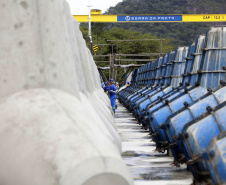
<point x="178" y="34"/>
<point x="183" y="33"/>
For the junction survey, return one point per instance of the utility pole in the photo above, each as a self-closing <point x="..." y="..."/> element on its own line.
<point x="119" y="63"/>
<point x="112" y="48"/>
<point x="116" y="46"/>
<point x="89" y="33"/>
<point x="110" y="67"/>
<point x="161" y="47"/>
<point x="113" y="67"/>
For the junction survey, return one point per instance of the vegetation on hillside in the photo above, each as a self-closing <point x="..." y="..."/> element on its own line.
<point x="101" y="36"/>
<point x="183" y="33"/>
<point x="177" y="34"/>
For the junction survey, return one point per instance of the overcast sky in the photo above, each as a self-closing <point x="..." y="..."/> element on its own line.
<point x="79" y="7"/>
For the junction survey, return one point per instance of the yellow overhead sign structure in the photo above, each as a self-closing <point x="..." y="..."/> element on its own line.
<point x="204" y="18"/>
<point x="96" y="16"/>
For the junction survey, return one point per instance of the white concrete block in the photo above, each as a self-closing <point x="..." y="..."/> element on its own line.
<point x="84" y="58"/>
<point x="99" y="99"/>
<point x="51" y="133"/>
<point x="44" y="139"/>
<point x="74" y="47"/>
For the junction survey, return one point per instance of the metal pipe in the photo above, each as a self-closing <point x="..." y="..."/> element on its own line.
<point x="139" y="54"/>
<point x="134" y="40"/>
<point x="129" y="60"/>
<point x="102" y="61"/>
<point x="104" y="44"/>
<point x="131" y="55"/>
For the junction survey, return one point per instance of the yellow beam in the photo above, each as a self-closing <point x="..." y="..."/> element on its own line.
<point x="96" y="18"/>
<point x="152" y="18"/>
<point x="204" y="18"/>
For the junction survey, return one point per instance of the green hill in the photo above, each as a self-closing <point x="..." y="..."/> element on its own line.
<point x="183" y="33"/>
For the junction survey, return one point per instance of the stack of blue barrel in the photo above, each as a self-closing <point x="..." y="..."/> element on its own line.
<point x="181" y="99"/>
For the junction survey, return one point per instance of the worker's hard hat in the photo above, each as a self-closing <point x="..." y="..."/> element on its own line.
<point x="128" y="82"/>
<point x="111" y="80"/>
<point x="105" y="83"/>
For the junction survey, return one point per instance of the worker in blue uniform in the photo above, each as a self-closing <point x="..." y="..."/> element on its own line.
<point x="106" y="88"/>
<point x="112" y="92"/>
<point x="127" y="84"/>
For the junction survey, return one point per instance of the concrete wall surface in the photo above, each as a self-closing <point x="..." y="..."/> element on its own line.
<point x="57" y="126"/>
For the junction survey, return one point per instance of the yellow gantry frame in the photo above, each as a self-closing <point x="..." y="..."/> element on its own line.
<point x="96" y="18"/>
<point x="185" y="18"/>
<point x="204" y="18"/>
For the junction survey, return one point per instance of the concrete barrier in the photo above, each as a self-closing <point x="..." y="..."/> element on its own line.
<point x="89" y="74"/>
<point x="56" y="122"/>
